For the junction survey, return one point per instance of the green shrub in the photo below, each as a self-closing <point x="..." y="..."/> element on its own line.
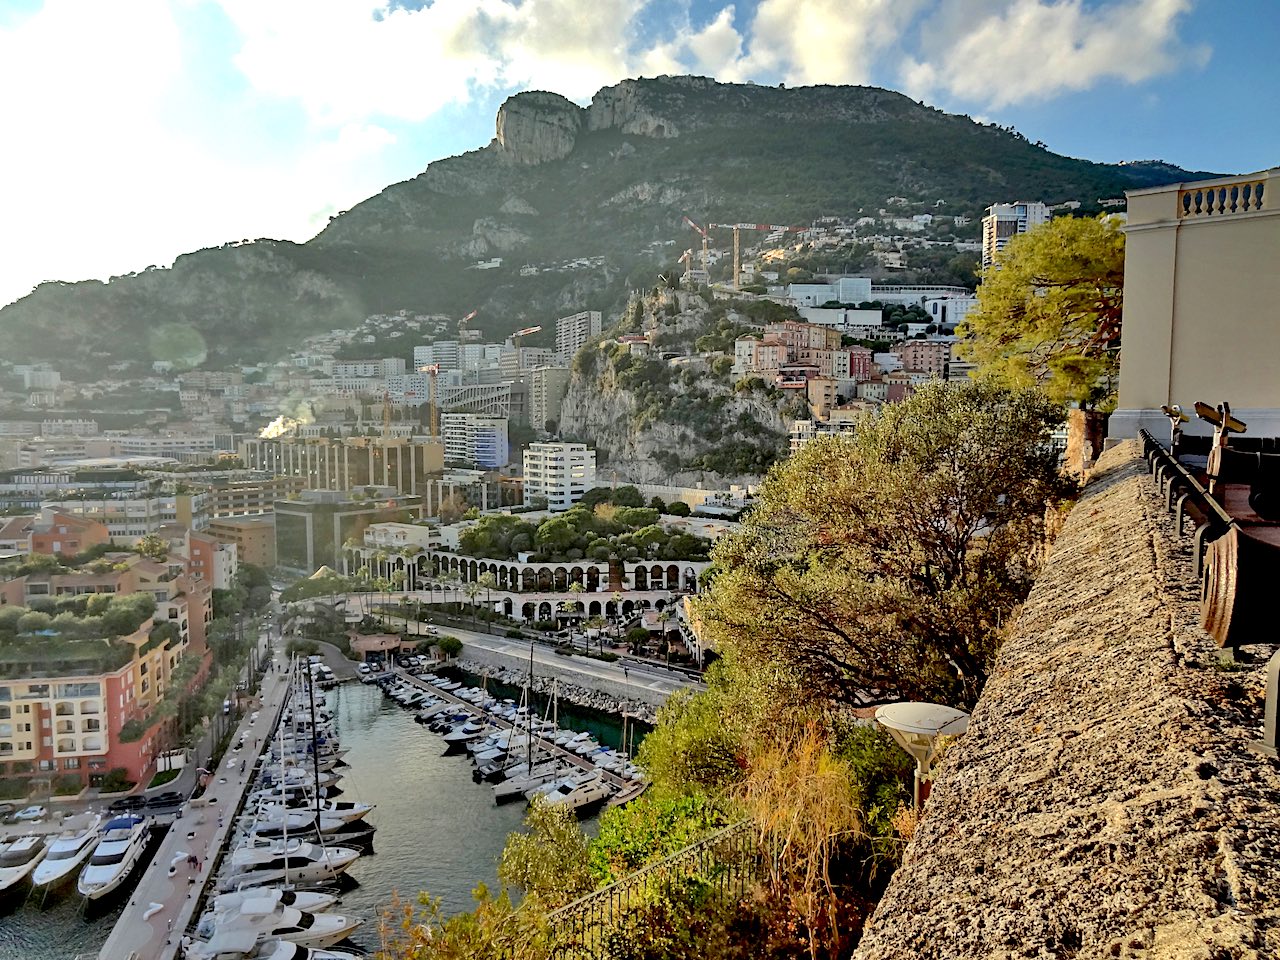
<point x="67" y="785"/>
<point x="116" y="781"/>
<point x="13" y="788"/>
<point x="164" y="776"/>
<point x="515" y="634"/>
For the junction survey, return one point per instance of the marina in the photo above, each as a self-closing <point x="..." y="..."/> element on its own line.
<point x="407" y="780"/>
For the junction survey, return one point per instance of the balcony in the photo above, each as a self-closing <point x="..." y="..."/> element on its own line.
<point x="1216" y="198"/>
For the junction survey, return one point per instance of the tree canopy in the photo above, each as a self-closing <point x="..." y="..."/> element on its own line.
<point x="877" y="566"/>
<point x="1049" y="311"/>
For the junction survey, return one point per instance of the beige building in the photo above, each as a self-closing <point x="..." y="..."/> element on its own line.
<point x="547" y="387"/>
<point x="1200" y="293"/>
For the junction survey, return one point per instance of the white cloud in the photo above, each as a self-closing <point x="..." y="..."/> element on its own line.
<point x="1020" y="50"/>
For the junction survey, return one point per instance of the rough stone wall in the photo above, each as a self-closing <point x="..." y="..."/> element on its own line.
<point x="1104" y="802"/>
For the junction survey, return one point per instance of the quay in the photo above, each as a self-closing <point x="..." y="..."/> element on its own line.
<point x="139" y="933"/>
<point x="543" y="745"/>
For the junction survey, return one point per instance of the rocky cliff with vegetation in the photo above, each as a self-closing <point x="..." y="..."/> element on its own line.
<point x="559" y="182"/>
<point x="652" y="422"/>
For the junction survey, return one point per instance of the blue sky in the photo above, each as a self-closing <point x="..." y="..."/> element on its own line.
<point x="153" y="127"/>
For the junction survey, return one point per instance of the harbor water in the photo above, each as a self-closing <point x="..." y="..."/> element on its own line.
<point x="438" y="831"/>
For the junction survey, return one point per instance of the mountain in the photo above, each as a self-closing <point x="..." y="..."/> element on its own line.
<point x="559" y="183"/>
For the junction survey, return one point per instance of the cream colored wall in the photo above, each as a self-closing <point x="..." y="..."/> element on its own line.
<point x="1201" y="309"/>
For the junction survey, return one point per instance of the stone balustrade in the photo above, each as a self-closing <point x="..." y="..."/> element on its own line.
<point x="1217" y="198"/>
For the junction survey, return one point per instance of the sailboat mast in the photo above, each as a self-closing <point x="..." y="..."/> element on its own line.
<point x="315" y="746"/>
<point x="528" y="717"/>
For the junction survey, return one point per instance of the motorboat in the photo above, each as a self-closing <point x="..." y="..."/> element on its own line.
<point x="514" y="788"/>
<point x="267" y="919"/>
<point x="295" y="861"/>
<point x="348" y="811"/>
<point x="124" y="841"/>
<point x="456" y="739"/>
<point x="18" y="858"/>
<point x="306" y="900"/>
<point x="68" y="851"/>
<point x="579" y="793"/>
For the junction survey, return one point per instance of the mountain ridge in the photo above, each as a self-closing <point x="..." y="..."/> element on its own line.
<point x="558" y="182"/>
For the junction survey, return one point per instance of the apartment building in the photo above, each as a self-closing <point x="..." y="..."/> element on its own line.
<point x="254" y="537"/>
<point x="475" y="440"/>
<point x="574" y="331"/>
<point x="924" y="356"/>
<point x="1005" y="220"/>
<point x="347" y="463"/>
<point x="374" y="369"/>
<point x="310" y="532"/>
<point x="59" y="533"/>
<point x="560" y="473"/>
<point x="547" y="387"/>
<point x="443" y="353"/>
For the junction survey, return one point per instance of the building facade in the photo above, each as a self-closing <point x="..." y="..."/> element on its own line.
<point x="310" y="532"/>
<point x="348" y="463"/>
<point x="560" y="473"/>
<point x="547" y="387"/>
<point x="1005" y="220"/>
<point x="574" y="331"/>
<point x="475" y="440"/>
<point x="1199" y="286"/>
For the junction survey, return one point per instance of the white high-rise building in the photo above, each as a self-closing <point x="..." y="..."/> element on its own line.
<point x="560" y="472"/>
<point x="1005" y="220"/>
<point x="572" y="332"/>
<point x="473" y="439"/>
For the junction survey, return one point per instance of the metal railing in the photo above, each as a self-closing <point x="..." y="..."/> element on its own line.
<point x="724" y="863"/>
<point x="1186" y="497"/>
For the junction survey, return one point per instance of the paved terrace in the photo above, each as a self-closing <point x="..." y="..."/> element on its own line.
<point x="1104" y="802"/>
<point x="211" y="819"/>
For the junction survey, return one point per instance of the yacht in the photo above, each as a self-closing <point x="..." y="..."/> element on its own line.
<point x="348" y="811"/>
<point x="124" y="840"/>
<point x="68" y="852"/>
<point x="514" y="788"/>
<point x="579" y="793"/>
<point x="305" y="900"/>
<point x="297" y="861"/>
<point x="266" y="919"/>
<point x="18" y="858"/>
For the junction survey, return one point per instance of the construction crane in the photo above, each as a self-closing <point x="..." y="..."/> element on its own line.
<point x="705" y="259"/>
<point x="462" y="324"/>
<point x="737" y="229"/>
<point x="520" y="334"/>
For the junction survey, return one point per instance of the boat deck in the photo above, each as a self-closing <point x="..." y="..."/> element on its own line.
<point x="542" y="745"/>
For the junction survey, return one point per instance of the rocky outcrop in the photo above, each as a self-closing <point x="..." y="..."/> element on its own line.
<point x="629" y="107"/>
<point x="536" y="126"/>
<point x="1104" y="802"/>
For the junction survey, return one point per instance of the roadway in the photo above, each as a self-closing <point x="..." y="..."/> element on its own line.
<point x="637" y="676"/>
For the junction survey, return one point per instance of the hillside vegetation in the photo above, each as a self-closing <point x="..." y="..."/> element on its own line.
<point x="614" y="184"/>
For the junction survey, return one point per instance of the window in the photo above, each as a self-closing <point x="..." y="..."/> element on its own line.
<point x="46" y="765"/>
<point x="71" y="763"/>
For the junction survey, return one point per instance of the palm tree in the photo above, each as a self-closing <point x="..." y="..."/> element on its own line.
<point x="472" y="590"/>
<point x="488" y="581"/>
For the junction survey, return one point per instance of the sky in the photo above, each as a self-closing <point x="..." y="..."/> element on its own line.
<point x="136" y="130"/>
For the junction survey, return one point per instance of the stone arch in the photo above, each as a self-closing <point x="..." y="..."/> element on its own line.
<point x="655" y="577"/>
<point x="641" y="578"/>
<point x="528" y="611"/>
<point x="576" y="576"/>
<point x="673" y="577"/>
<point x="690" y="580"/>
<point x="627" y="607"/>
<point x="528" y="580"/>
<point x="507" y="606"/>
<point x="593" y="609"/>
<point x="660" y="605"/>
<point x="610" y="609"/>
<point x="593" y="579"/>
<point x="544" y="610"/>
<point x="561" y="578"/>
<point x="546" y="580"/>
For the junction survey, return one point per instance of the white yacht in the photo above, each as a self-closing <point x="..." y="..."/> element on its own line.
<point x="18" y="858"/>
<point x="266" y="919"/>
<point x="347" y="811"/>
<point x="578" y="792"/>
<point x="305" y="900"/>
<point x="124" y="840"/>
<point x="514" y="788"/>
<point x="297" y="861"/>
<point x="68" y="852"/>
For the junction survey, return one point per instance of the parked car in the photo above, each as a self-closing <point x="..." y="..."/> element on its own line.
<point x="125" y="804"/>
<point x="170" y="798"/>
<point x="30" y="814"/>
<point x="7" y="810"/>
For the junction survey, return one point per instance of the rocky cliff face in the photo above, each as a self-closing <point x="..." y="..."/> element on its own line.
<point x="560" y="183"/>
<point x="536" y="127"/>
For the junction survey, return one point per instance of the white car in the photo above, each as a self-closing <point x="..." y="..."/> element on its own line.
<point x="29" y="814"/>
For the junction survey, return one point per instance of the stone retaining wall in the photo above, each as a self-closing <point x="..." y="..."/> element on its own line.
<point x="1104" y="802"/>
<point x="610" y="690"/>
